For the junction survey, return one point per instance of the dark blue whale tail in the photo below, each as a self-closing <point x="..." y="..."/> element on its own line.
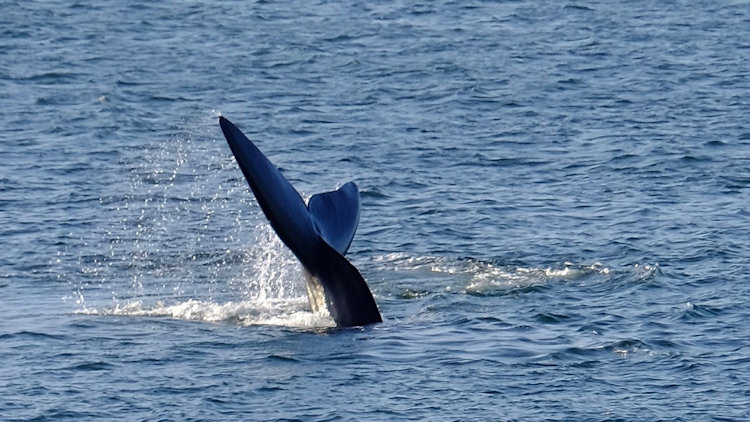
<point x="318" y="233"/>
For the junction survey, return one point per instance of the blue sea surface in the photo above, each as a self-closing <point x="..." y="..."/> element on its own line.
<point x="555" y="209"/>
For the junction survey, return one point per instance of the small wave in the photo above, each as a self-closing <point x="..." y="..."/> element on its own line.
<point x="629" y="348"/>
<point x="281" y="312"/>
<point x="91" y="366"/>
<point x="646" y="271"/>
<point x="551" y="318"/>
<point x="31" y="334"/>
<point x="412" y="294"/>
<point x="694" y="312"/>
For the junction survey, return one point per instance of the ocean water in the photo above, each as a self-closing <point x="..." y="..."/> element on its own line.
<point x="555" y="209"/>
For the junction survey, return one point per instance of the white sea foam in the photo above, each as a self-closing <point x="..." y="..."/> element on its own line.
<point x="487" y="277"/>
<point x="286" y="312"/>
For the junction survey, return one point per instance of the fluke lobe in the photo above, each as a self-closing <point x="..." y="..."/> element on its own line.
<point x="318" y="233"/>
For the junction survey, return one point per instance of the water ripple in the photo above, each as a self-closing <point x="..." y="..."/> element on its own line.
<point x="554" y="209"/>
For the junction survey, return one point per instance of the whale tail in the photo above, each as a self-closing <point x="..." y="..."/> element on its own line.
<point x="318" y="233"/>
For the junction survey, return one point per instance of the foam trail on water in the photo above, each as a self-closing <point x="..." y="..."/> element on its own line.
<point x="472" y="276"/>
<point x="487" y="277"/>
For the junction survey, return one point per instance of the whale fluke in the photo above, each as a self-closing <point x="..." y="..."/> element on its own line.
<point x="318" y="233"/>
<point x="336" y="215"/>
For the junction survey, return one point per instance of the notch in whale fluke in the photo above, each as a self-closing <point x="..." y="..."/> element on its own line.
<point x="318" y="233"/>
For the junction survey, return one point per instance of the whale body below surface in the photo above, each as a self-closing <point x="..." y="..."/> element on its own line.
<point x="318" y="233"/>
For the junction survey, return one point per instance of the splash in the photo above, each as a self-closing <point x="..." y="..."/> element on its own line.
<point x="185" y="239"/>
